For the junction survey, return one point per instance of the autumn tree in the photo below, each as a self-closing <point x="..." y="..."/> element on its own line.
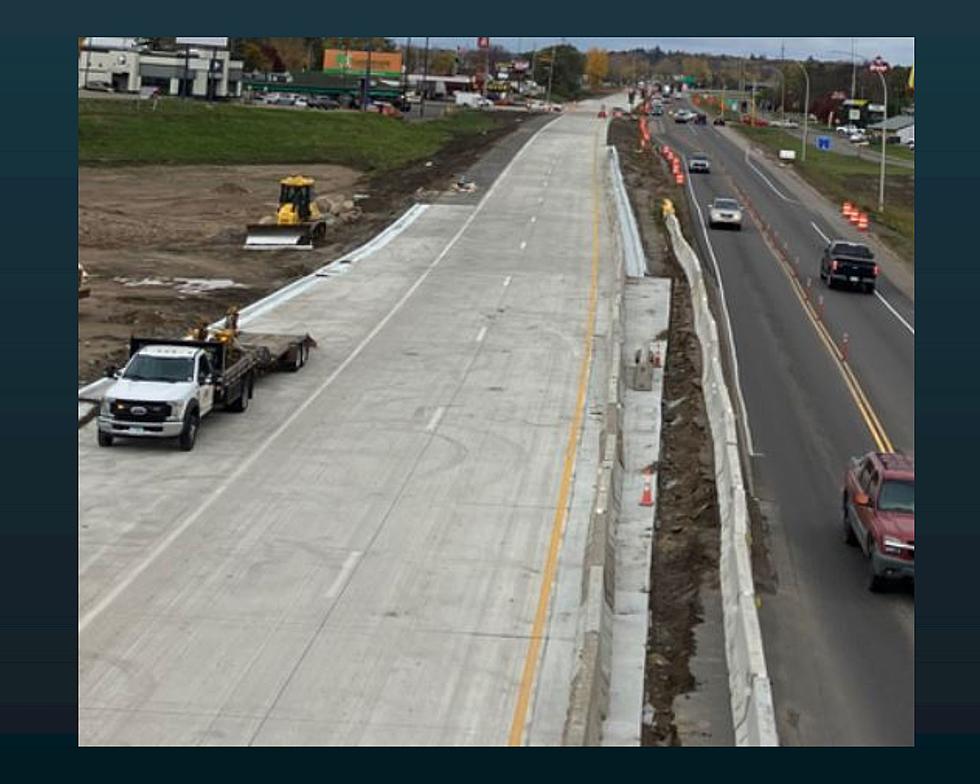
<point x="596" y="66"/>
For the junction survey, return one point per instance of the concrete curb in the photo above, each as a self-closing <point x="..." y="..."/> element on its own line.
<point x="92" y="393"/>
<point x="753" y="714"/>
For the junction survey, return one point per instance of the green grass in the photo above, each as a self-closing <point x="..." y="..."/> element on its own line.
<point x="845" y="178"/>
<point x="186" y="132"/>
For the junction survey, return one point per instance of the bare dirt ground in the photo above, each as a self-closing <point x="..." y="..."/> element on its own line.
<point x="686" y="539"/>
<point x="162" y="245"/>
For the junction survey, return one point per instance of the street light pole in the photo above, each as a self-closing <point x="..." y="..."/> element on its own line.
<point x="884" y="136"/>
<point x="880" y="67"/>
<point x="806" y="108"/>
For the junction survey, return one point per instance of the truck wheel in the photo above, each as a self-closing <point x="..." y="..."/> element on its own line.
<point x="297" y="362"/>
<point x="241" y="404"/>
<point x="304" y="354"/>
<point x="849" y="537"/>
<point x="869" y="288"/>
<point x="105" y="439"/>
<point x="875" y="581"/>
<point x="189" y="434"/>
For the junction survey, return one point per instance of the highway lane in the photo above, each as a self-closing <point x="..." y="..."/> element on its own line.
<point x="359" y="558"/>
<point x="841" y="659"/>
<point x="880" y="329"/>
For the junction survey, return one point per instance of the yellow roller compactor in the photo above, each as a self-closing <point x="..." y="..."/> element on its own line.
<point x="298" y="224"/>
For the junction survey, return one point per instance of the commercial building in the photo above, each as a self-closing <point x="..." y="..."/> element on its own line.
<point x="128" y="65"/>
<point x="901" y="125"/>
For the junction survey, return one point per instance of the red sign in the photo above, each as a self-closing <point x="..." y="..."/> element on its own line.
<point x="879" y="65"/>
<point x="483" y="43"/>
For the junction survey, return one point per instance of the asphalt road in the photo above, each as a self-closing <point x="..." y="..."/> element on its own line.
<point x="841" y="659"/>
<point x="358" y="559"/>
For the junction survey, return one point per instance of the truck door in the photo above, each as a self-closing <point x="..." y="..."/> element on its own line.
<point x="868" y="482"/>
<point x="205" y="384"/>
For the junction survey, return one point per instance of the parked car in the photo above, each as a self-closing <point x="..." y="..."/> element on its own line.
<point x="100" y="85"/>
<point x="879" y="514"/>
<point x="718" y="121"/>
<point x="847" y="130"/>
<point x="849" y="262"/>
<point x="699" y="162"/>
<point x="700" y="119"/>
<point x="323" y="102"/>
<point x="725" y="212"/>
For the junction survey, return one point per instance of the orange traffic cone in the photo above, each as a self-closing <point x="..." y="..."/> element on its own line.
<point x="863" y="222"/>
<point x="647" y="497"/>
<point x="846" y="209"/>
<point x="854" y="217"/>
<point x="679" y="178"/>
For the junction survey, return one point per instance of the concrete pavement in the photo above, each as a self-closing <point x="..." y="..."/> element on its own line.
<point x="358" y="559"/>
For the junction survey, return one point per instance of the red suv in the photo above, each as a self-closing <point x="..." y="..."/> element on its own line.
<point x="879" y="514"/>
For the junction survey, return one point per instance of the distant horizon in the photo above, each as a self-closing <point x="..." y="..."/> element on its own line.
<point x="897" y="51"/>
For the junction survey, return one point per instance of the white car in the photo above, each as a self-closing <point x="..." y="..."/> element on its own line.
<point x="725" y="212"/>
<point x="847" y="130"/>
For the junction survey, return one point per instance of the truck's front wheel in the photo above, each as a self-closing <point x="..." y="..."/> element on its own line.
<point x="105" y="439"/>
<point x="188" y="435"/>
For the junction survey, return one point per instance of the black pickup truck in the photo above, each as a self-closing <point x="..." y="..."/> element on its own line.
<point x="850" y="263"/>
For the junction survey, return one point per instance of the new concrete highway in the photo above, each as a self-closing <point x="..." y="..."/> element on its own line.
<point x="841" y="659"/>
<point x="367" y="556"/>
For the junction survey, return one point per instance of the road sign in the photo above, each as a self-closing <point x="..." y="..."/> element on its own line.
<point x="853" y="114"/>
<point x="823" y="142"/>
<point x="483" y="43"/>
<point x="878" y="65"/>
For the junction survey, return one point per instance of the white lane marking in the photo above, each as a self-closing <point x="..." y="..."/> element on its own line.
<point x="816" y="228"/>
<point x="345" y="572"/>
<point x="434" y="422"/>
<point x="765" y="179"/>
<point x="507" y="281"/>
<point x="247" y="463"/>
<point x="523" y="244"/>
<point x="728" y="321"/>
<point x="894" y="312"/>
<point x="481" y="334"/>
<point x="880" y="298"/>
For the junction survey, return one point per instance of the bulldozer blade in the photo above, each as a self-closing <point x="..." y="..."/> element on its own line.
<point x="273" y="237"/>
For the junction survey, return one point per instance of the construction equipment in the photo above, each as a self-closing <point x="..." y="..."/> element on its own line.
<point x="298" y="224"/>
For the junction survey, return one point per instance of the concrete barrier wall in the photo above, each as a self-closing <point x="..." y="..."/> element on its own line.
<point x="753" y="714"/>
<point x="589" y="702"/>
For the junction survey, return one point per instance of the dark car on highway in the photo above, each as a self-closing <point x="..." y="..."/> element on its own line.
<point x="718" y="121"/>
<point x="879" y="514"/>
<point x="850" y="263"/>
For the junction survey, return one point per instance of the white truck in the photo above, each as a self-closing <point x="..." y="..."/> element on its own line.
<point x="473" y="100"/>
<point x="168" y="386"/>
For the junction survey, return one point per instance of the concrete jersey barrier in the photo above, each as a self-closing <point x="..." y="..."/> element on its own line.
<point x="753" y="714"/>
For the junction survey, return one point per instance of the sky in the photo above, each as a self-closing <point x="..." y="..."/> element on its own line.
<point x="897" y="51"/>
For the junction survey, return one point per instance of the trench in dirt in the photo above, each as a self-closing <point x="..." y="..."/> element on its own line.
<point x="687" y="529"/>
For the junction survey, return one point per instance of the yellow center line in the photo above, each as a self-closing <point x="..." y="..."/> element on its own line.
<point x="867" y="412"/>
<point x="519" y="720"/>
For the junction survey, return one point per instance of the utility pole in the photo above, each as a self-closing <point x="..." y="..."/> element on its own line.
<point x="551" y="75"/>
<point x="425" y="77"/>
<point x="366" y="92"/>
<point x="782" y="61"/>
<point x="853" y="70"/>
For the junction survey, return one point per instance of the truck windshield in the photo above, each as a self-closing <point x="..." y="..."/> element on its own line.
<point x="897" y="496"/>
<point x="144" y="368"/>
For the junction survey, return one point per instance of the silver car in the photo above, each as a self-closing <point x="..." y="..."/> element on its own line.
<point x="699" y="163"/>
<point x="725" y="212"/>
